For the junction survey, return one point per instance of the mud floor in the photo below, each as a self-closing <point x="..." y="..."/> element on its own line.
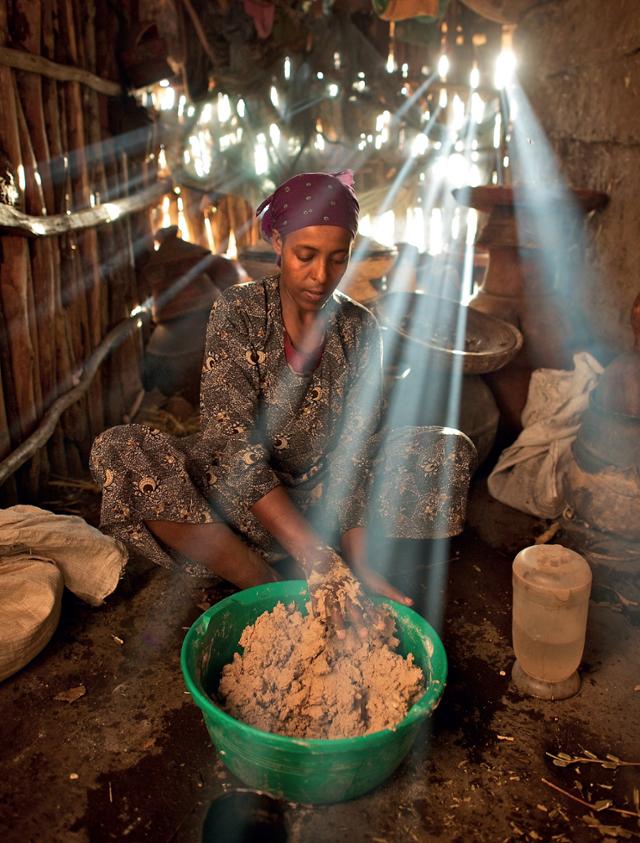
<point x="130" y="759"/>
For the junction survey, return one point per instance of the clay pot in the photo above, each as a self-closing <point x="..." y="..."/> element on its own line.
<point x="419" y="361"/>
<point x="370" y="263"/>
<point x="478" y="414"/>
<point x="607" y="500"/>
<point x="514" y="289"/>
<point x="601" y="476"/>
<point x="431" y="323"/>
<point x="619" y="387"/>
<point x="405" y="9"/>
<point x="607" y="438"/>
<point x="500" y="11"/>
<point x="259" y="260"/>
<point x="144" y="56"/>
<point x="173" y="356"/>
<point x="184" y="277"/>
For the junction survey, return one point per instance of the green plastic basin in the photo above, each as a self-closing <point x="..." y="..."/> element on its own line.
<point x="297" y="769"/>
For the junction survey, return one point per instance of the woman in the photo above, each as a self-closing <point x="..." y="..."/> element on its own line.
<point x="290" y="404"/>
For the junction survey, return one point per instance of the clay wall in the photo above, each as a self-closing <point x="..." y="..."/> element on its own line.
<point x="580" y="66"/>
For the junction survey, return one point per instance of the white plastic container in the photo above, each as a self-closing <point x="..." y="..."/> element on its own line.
<point x="551" y="588"/>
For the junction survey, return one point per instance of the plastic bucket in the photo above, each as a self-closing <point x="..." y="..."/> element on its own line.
<point x="296" y="769"/>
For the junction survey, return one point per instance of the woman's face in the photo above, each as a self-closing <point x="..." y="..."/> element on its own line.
<point x="313" y="259"/>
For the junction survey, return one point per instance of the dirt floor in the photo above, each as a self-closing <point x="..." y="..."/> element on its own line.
<point x="130" y="758"/>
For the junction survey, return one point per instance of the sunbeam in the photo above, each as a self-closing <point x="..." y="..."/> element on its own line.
<point x="550" y="224"/>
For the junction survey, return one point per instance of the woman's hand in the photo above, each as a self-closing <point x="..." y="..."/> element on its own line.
<point x="354" y="546"/>
<point x="336" y="595"/>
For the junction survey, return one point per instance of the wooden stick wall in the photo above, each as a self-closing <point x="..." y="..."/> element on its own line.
<point x="60" y="295"/>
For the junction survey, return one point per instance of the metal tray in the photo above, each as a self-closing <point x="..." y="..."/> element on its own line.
<point x="433" y="323"/>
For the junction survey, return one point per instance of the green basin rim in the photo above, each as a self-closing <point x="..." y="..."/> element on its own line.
<point x="427" y="702"/>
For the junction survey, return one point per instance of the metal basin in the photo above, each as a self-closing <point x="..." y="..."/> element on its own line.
<point x="450" y="332"/>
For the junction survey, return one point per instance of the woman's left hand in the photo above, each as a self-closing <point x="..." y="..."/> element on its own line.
<point x="379" y="585"/>
<point x="354" y="544"/>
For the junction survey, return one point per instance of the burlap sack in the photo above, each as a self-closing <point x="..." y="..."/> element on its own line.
<point x="528" y="475"/>
<point x="30" y="599"/>
<point x="40" y="553"/>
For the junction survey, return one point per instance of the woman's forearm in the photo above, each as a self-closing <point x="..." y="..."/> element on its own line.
<point x="283" y="520"/>
<point x="353" y="544"/>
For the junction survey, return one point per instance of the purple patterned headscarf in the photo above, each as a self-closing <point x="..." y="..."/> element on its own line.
<point x="311" y="199"/>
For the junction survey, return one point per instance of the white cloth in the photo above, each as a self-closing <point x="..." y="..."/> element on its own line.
<point x="40" y="553"/>
<point x="527" y="474"/>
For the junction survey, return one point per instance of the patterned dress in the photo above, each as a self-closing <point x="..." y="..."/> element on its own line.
<point x="263" y="425"/>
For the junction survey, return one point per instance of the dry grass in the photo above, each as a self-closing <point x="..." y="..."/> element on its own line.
<point x="168" y="423"/>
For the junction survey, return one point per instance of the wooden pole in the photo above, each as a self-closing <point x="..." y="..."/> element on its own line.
<point x="32" y="194"/>
<point x="14" y="283"/>
<point x="40" y="436"/>
<point x="93" y="127"/>
<point x="89" y="260"/>
<point x="73" y="300"/>
<point x="112" y="259"/>
<point x="41" y="285"/>
<point x="81" y="277"/>
<point x="39" y="200"/>
<point x="16" y="222"/>
<point x="20" y="60"/>
<point x="220" y="225"/>
<point x="200" y="33"/>
<point x="242" y="221"/>
<point x="73" y="422"/>
<point x="8" y="411"/>
<point x="96" y="124"/>
<point x="129" y="356"/>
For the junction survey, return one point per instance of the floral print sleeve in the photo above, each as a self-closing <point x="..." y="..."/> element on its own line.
<point x="229" y="405"/>
<point x="352" y="460"/>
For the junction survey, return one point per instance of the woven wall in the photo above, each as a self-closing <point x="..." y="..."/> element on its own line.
<point x="62" y="291"/>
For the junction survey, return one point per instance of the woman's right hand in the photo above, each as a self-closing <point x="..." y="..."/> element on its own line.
<point x="336" y="595"/>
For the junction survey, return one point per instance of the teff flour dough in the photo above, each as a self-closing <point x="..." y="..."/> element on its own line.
<point x="294" y="680"/>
